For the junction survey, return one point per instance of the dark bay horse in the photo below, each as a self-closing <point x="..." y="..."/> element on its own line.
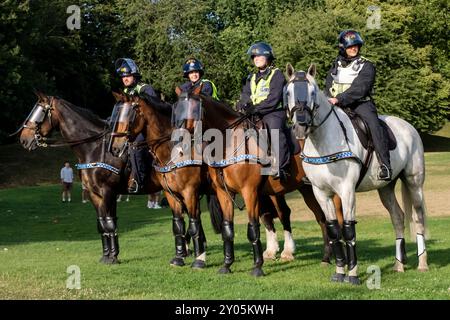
<point x="246" y="178"/>
<point x="180" y="180"/>
<point x="86" y="134"/>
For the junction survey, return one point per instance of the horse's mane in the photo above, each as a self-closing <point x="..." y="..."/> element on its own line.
<point x="322" y="98"/>
<point x="84" y="113"/>
<point x="160" y="106"/>
<point x="222" y="107"/>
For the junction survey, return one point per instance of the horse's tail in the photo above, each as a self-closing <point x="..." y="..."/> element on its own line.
<point x="215" y="212"/>
<point x="408" y="209"/>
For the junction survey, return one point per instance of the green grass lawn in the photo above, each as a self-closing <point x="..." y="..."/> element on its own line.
<point x="40" y="237"/>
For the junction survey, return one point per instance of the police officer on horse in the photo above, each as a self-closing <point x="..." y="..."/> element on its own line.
<point x="194" y="71"/>
<point x="128" y="71"/>
<point x="349" y="84"/>
<point x="262" y="94"/>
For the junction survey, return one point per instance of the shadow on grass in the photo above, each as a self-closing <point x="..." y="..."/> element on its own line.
<point x="435" y="143"/>
<point x="309" y="252"/>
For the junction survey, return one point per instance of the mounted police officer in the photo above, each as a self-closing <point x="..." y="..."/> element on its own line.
<point x="262" y="94"/>
<point x="128" y="71"/>
<point x="349" y="84"/>
<point x="193" y="70"/>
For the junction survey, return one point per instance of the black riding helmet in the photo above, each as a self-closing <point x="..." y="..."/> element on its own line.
<point x="348" y="38"/>
<point x="127" y="67"/>
<point x="261" y="49"/>
<point x="192" y="64"/>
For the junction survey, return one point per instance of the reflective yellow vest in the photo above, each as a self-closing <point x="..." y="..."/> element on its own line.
<point x="214" y="93"/>
<point x="134" y="90"/>
<point x="260" y="91"/>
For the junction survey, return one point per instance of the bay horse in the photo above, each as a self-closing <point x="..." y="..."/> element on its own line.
<point x="245" y="178"/>
<point x="330" y="133"/>
<point x="181" y="183"/>
<point x="105" y="176"/>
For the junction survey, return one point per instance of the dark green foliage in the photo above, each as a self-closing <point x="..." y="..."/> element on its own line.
<point x="410" y="49"/>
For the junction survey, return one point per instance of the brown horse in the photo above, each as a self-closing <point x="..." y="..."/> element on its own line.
<point x="181" y="184"/>
<point x="86" y="134"/>
<point x="246" y="178"/>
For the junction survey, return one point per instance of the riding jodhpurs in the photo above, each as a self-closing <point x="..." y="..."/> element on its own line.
<point x="368" y="112"/>
<point x="277" y="120"/>
<point x="140" y="160"/>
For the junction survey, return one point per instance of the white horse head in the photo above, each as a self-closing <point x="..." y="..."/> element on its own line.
<point x="300" y="98"/>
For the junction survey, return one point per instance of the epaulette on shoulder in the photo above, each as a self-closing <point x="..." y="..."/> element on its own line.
<point x="364" y="59"/>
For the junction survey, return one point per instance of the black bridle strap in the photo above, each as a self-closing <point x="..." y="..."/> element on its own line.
<point x="77" y="142"/>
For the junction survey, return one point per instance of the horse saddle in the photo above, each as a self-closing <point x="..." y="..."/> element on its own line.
<point x="363" y="132"/>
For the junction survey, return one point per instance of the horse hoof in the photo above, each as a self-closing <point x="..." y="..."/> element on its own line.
<point x="109" y="260"/>
<point x="423" y="269"/>
<point x="354" y="280"/>
<point x="325" y="263"/>
<point x="178" y="262"/>
<point x="267" y="255"/>
<point x="337" y="277"/>
<point x="104" y="259"/>
<point x="257" y="272"/>
<point x="198" y="264"/>
<point x="398" y="267"/>
<point x="224" y="270"/>
<point x="286" y="257"/>
<point x="113" y="260"/>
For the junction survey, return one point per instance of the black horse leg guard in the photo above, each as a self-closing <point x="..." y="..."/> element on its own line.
<point x="349" y="233"/>
<point x="335" y="235"/>
<point x="228" y="243"/>
<point x="254" y="237"/>
<point x="194" y="231"/>
<point x="109" y="226"/>
<point x="179" y="232"/>
<point x="202" y="234"/>
<point x="105" y="239"/>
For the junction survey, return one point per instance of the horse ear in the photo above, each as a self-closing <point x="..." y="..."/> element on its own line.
<point x="40" y="95"/>
<point x="178" y="91"/>
<point x="312" y="70"/>
<point x="289" y="71"/>
<point x="197" y="90"/>
<point x="117" y="96"/>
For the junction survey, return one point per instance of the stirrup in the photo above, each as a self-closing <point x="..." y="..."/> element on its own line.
<point x="384" y="173"/>
<point x="281" y="174"/>
<point x="134" y="188"/>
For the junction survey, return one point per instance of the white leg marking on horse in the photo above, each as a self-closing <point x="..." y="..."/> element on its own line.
<point x="289" y="247"/>
<point x="201" y="257"/>
<point x="272" y="245"/>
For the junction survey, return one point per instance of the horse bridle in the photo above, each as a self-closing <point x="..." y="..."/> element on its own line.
<point x="127" y="133"/>
<point x="302" y="107"/>
<point x="38" y="120"/>
<point x="42" y="141"/>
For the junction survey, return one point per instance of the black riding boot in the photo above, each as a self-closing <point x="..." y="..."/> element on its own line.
<point x="228" y="246"/>
<point x="335" y="235"/>
<point x="349" y="233"/>
<point x="180" y="241"/>
<point x="253" y="236"/>
<point x="199" y="248"/>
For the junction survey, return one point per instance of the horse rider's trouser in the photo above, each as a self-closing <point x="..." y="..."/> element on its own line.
<point x="139" y="160"/>
<point x="368" y="112"/>
<point x="277" y="120"/>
